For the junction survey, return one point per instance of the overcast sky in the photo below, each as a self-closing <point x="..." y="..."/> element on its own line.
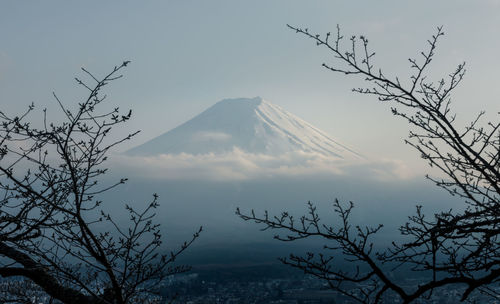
<point x="187" y="55"/>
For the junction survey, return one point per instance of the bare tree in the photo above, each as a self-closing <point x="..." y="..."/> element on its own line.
<point x="451" y="247"/>
<point x="54" y="230"/>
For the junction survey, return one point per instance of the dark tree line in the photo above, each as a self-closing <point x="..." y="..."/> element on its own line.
<point x="55" y="232"/>
<point x="448" y="248"/>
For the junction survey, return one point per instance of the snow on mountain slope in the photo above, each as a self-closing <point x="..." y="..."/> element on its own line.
<point x="252" y="125"/>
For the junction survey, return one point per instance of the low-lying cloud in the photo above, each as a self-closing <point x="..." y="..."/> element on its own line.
<point x="240" y="165"/>
<point x="210" y="136"/>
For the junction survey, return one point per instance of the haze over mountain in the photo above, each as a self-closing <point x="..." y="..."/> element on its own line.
<point x="251" y="154"/>
<point x="252" y="125"/>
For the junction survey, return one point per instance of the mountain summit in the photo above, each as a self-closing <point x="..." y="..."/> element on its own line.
<point x="250" y="124"/>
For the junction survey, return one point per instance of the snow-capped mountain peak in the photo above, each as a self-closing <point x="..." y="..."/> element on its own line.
<point x="250" y="124"/>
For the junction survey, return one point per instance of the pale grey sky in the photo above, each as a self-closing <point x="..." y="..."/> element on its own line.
<point x="187" y="55"/>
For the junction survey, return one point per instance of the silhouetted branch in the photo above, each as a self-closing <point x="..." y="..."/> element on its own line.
<point x="50" y="211"/>
<point x="449" y="248"/>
